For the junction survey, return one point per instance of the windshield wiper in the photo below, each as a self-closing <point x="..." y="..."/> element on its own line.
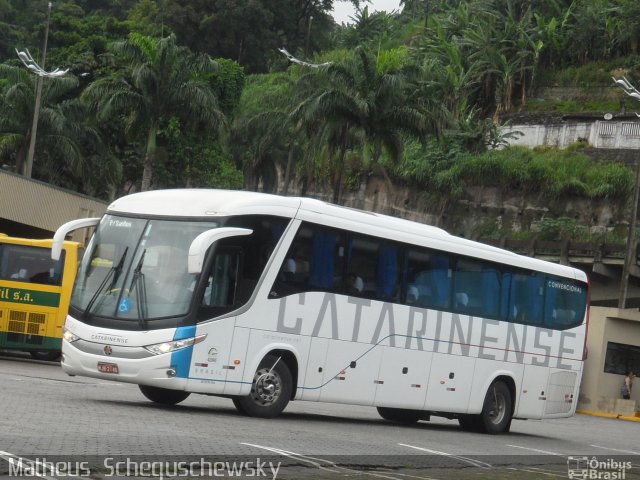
<point x="141" y="291"/>
<point x="114" y="274"/>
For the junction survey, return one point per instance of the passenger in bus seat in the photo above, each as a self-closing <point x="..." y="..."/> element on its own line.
<point x="20" y="274"/>
<point x="289" y="269"/>
<point x="353" y="284"/>
<point x="412" y="294"/>
<point x="462" y="300"/>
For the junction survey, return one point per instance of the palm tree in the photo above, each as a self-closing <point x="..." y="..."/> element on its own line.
<point x="160" y="80"/>
<point x="368" y="96"/>
<point x="62" y="131"/>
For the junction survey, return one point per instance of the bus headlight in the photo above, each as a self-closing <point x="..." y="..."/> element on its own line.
<point x="167" y="347"/>
<point x="69" y="336"/>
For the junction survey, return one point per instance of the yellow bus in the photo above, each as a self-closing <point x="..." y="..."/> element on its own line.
<point x="34" y="295"/>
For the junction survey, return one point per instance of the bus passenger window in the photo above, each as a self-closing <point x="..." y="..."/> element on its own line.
<point x="428" y="279"/>
<point x="564" y="303"/>
<point x="387" y="273"/>
<point x="314" y="262"/>
<point x="479" y="284"/>
<point x="525" y="298"/>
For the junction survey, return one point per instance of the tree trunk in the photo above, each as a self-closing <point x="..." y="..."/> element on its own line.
<point x="149" y="160"/>
<point x="287" y="172"/>
<point x="21" y="157"/>
<point x="337" y="188"/>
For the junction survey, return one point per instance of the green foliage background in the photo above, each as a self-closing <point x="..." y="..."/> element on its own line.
<point x="415" y="96"/>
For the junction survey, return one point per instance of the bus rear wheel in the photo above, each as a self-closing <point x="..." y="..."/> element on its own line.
<point x="270" y="391"/>
<point x="400" y="414"/>
<point x="45" y="355"/>
<point x="163" y="396"/>
<point x="497" y="409"/>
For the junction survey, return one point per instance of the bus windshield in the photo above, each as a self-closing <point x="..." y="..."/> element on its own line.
<point x="136" y="269"/>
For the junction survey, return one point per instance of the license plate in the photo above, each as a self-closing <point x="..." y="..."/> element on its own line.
<point x="107" y="367"/>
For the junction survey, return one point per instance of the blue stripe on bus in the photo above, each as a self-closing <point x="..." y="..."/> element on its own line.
<point x="181" y="359"/>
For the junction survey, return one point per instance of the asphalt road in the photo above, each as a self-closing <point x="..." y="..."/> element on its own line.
<point x="55" y="419"/>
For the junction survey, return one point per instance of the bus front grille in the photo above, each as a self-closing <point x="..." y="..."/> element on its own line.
<point x="27" y="323"/>
<point x="15" y="326"/>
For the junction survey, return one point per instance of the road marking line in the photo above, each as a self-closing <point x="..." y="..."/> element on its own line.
<point x="311" y="460"/>
<point x="546" y="452"/>
<point x="616" y="450"/>
<point x="471" y="461"/>
<point x="316" y="462"/>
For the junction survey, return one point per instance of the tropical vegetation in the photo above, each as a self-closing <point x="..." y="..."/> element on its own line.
<point x="197" y="93"/>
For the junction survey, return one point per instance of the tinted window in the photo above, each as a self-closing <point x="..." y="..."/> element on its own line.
<point x="622" y="359"/>
<point x="565" y="303"/>
<point x="477" y="288"/>
<point x="23" y="263"/>
<point x="323" y="259"/>
<point x="429" y="279"/>
<point x="237" y="263"/>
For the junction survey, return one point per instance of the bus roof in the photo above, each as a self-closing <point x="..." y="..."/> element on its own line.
<point x="209" y="203"/>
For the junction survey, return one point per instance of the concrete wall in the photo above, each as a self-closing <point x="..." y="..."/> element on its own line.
<point x="599" y="134"/>
<point x="599" y="390"/>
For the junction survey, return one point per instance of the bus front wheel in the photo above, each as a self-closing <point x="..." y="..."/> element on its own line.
<point x="496" y="410"/>
<point x="270" y="391"/>
<point x="163" y="396"/>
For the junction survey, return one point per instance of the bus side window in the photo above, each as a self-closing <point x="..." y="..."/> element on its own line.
<point x="387" y="273"/>
<point x="313" y="262"/>
<point x="525" y="298"/>
<point x="224" y="278"/>
<point x="428" y="278"/>
<point x="323" y="260"/>
<point x="564" y="303"/>
<point x="477" y="288"/>
<point x="441" y="271"/>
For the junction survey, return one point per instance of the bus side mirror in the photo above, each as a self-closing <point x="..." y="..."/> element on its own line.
<point x="202" y="242"/>
<point x="63" y="230"/>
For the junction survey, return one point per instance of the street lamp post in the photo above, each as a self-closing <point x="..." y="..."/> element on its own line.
<point x="630" y="256"/>
<point x="31" y="64"/>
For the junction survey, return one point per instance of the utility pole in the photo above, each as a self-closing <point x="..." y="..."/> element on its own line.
<point x="28" y="166"/>
<point x="28" y="61"/>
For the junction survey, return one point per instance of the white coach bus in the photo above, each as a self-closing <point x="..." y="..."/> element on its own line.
<point x="266" y="299"/>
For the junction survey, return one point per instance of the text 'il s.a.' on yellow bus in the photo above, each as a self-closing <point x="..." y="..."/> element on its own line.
<point x="34" y="294"/>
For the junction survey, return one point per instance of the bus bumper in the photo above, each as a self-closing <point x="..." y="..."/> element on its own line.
<point x="155" y="370"/>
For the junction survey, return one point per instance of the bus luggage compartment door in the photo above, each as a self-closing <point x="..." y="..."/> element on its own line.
<point x="351" y="372"/>
<point x="403" y="377"/>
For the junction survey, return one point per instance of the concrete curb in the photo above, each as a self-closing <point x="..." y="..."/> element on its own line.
<point x="617" y="416"/>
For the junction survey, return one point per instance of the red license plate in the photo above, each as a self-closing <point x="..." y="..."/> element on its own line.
<point x="107" y="367"/>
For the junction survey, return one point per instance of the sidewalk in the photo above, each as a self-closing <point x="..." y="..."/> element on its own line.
<point x="595" y="413"/>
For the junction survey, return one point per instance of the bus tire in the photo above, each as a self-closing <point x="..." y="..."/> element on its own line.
<point x="45" y="355"/>
<point x="163" y="396"/>
<point x="496" y="410"/>
<point x="270" y="391"/>
<point x="400" y="414"/>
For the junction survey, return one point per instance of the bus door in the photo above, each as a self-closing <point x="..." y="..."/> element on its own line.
<point x="212" y="360"/>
